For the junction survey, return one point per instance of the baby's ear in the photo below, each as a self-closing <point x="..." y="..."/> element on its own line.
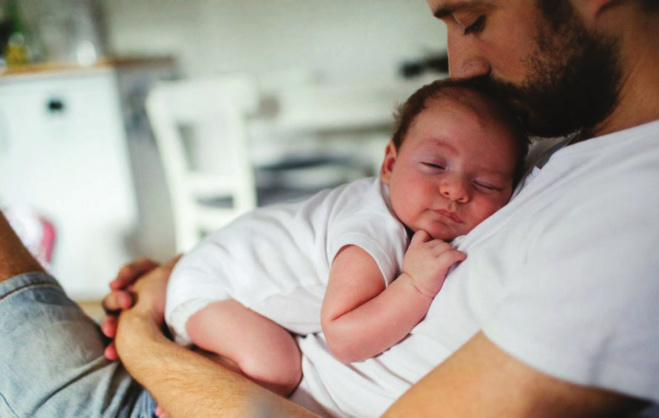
<point x="388" y="163"/>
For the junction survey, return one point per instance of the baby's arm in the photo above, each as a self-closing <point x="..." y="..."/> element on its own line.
<point x="361" y="318"/>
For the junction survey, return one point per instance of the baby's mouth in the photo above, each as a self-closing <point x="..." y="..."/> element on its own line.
<point x="450" y="215"/>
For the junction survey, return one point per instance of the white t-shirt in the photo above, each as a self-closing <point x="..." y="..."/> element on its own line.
<point x="565" y="278"/>
<point x="276" y="260"/>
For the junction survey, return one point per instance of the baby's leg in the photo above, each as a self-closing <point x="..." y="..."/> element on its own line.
<point x="264" y="351"/>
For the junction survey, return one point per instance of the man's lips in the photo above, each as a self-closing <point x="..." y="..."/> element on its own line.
<point x="451" y="215"/>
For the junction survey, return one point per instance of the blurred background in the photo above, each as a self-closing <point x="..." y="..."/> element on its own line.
<point x="133" y="127"/>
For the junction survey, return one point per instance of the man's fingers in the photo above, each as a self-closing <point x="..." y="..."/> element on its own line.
<point x="160" y="413"/>
<point x="109" y="326"/>
<point x="131" y="271"/>
<point x="110" y="352"/>
<point x="117" y="301"/>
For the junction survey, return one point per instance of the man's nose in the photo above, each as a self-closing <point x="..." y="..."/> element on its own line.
<point x="464" y="58"/>
<point x="455" y="189"/>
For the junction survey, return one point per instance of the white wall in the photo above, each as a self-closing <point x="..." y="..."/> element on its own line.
<point x="338" y="40"/>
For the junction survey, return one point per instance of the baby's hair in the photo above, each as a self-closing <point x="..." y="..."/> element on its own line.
<point x="459" y="90"/>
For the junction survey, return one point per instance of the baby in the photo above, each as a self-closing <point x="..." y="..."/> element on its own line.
<point x="342" y="262"/>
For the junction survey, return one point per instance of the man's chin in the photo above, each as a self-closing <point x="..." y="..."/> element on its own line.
<point x="537" y="125"/>
<point x="544" y="128"/>
<point x="537" y="128"/>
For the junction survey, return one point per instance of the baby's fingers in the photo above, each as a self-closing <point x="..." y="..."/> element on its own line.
<point x="419" y="237"/>
<point x="449" y="258"/>
<point x="438" y="246"/>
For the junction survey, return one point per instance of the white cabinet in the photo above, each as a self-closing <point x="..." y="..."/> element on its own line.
<point x="65" y="152"/>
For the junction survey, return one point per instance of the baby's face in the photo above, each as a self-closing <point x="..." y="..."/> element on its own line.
<point x="453" y="170"/>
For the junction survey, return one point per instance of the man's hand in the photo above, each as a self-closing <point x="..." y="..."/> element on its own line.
<point x="427" y="261"/>
<point x="148" y="309"/>
<point x="148" y="293"/>
<point x="121" y="297"/>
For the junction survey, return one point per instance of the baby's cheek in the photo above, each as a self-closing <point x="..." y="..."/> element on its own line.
<point x="487" y="208"/>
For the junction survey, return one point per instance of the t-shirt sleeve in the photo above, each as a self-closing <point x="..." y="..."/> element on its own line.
<point x="379" y="234"/>
<point x="583" y="306"/>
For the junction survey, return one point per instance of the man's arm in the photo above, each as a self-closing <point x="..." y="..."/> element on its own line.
<point x="482" y="380"/>
<point x="15" y="259"/>
<point x="185" y="383"/>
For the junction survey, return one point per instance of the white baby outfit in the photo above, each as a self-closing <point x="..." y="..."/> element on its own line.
<point x="276" y="260"/>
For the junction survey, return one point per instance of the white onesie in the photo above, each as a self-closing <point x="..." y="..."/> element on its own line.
<point x="276" y="260"/>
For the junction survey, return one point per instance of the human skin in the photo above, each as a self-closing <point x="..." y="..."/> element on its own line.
<point x="144" y="350"/>
<point x="14" y="257"/>
<point x="480" y="379"/>
<point x="187" y="384"/>
<point x="452" y="171"/>
<point x="454" y="168"/>
<point x="261" y="349"/>
<point x="501" y="44"/>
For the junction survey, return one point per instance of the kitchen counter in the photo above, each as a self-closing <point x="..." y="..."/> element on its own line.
<point x="53" y="68"/>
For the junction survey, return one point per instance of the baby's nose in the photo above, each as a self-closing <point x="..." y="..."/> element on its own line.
<point x="454" y="189"/>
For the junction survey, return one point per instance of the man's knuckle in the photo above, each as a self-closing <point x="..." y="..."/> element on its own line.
<point x="112" y="300"/>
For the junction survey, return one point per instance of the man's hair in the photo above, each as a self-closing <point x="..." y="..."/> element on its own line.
<point x="651" y="6"/>
<point x="560" y="11"/>
<point x="556" y="12"/>
<point x="459" y="91"/>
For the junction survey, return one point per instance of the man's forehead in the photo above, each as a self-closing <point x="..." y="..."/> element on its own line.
<point x="443" y="8"/>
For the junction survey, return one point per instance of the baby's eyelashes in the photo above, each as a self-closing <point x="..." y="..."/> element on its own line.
<point x="434" y="166"/>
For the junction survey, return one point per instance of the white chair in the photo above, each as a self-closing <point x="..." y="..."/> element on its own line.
<point x="216" y="109"/>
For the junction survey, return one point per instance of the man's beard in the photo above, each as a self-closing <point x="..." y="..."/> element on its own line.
<point x="573" y="83"/>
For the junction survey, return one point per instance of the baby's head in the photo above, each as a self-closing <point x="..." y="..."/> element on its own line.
<point x="454" y="158"/>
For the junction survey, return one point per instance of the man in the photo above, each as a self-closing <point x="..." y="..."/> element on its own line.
<point x="553" y="312"/>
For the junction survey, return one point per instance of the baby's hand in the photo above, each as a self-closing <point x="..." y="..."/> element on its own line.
<point x="427" y="261"/>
